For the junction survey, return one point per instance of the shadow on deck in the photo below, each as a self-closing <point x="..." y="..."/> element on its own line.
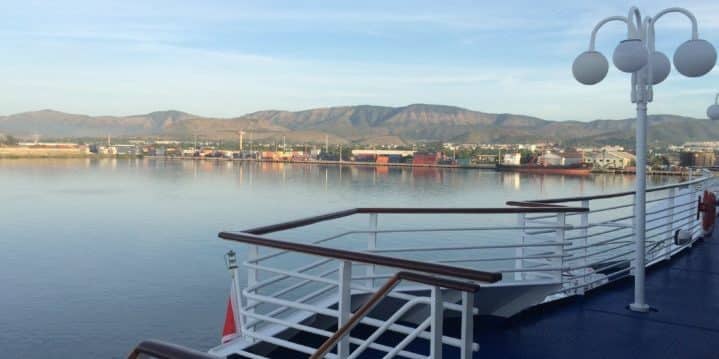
<point x="684" y="292"/>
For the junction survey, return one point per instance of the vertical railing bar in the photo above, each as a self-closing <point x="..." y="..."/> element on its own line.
<point x="372" y="245"/>
<point x="437" y="318"/>
<point x="345" y="297"/>
<point x="519" y="251"/>
<point x="584" y="223"/>
<point x="693" y="191"/>
<point x="670" y="224"/>
<point x="253" y="253"/>
<point x="561" y="222"/>
<point x="467" y="325"/>
<point x="633" y="263"/>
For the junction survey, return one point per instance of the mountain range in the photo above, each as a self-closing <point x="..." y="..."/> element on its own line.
<point x="360" y="124"/>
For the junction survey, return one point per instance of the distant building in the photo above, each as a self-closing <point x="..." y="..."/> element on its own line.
<point x="125" y="150"/>
<point x="697" y="159"/>
<point x="67" y="145"/>
<point x="382" y="153"/>
<point x="550" y="159"/>
<point x="485" y="158"/>
<point x="167" y="142"/>
<point x="609" y="148"/>
<point x="703" y="146"/>
<point x="426" y="158"/>
<point x="560" y="159"/>
<point x="381" y="156"/>
<point x="587" y="149"/>
<point x="609" y="159"/>
<point x="512" y="159"/>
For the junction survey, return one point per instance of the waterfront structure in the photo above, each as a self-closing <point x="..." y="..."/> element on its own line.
<point x="697" y="159"/>
<point x="550" y="158"/>
<point x="486" y="159"/>
<point x="512" y="159"/>
<point x="426" y="158"/>
<point x="375" y="153"/>
<point x="697" y="146"/>
<point x="68" y="145"/>
<point x="637" y="55"/>
<point x="610" y="160"/>
<point x="125" y="150"/>
<point x="45" y="149"/>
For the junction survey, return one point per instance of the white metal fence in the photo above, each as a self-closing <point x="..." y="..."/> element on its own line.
<point x="289" y="292"/>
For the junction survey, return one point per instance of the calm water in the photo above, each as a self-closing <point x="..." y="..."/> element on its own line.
<point x="96" y="255"/>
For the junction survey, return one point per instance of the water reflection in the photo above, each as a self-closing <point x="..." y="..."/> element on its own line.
<point x="139" y="236"/>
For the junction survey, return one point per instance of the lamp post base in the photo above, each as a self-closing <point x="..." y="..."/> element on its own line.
<point x="642" y="308"/>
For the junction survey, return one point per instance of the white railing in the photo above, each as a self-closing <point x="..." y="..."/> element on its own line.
<point x="326" y="291"/>
<point x="600" y="245"/>
<point x="576" y="249"/>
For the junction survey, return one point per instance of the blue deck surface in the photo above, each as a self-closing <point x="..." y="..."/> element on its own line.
<point x="684" y="291"/>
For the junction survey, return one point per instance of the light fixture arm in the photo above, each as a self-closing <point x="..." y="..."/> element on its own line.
<point x="634" y="21"/>
<point x="651" y="34"/>
<point x="602" y="23"/>
<point x="649" y="27"/>
<point x="687" y="13"/>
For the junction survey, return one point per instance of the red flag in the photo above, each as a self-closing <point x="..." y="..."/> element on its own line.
<point x="230" y="331"/>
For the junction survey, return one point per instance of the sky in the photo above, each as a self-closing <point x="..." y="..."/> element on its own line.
<point x="226" y="58"/>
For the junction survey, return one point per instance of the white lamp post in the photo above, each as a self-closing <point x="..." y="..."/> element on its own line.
<point x="713" y="110"/>
<point x="637" y="55"/>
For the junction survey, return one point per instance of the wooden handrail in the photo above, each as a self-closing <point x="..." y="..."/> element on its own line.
<point x="533" y="204"/>
<point x="530" y="208"/>
<point x="617" y="194"/>
<point x="495" y="210"/>
<point x="301" y="222"/>
<point x="367" y="258"/>
<point x="375" y="299"/>
<point x="163" y="350"/>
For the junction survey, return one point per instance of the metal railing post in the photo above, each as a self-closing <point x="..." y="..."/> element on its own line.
<point x="345" y="297"/>
<point x="239" y="312"/>
<point x="561" y="223"/>
<point x="253" y="252"/>
<point x="371" y="245"/>
<point x="584" y="232"/>
<point x="633" y="268"/>
<point x="670" y="225"/>
<point x="693" y="190"/>
<point x="467" y="325"/>
<point x="437" y="320"/>
<point x="519" y="251"/>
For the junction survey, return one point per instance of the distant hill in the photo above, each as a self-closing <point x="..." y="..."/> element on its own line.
<point x="50" y="123"/>
<point x="361" y="124"/>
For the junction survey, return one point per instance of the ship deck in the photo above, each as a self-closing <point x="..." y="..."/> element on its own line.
<point x="685" y="323"/>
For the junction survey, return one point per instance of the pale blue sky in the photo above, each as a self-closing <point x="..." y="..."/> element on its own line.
<point x="228" y="58"/>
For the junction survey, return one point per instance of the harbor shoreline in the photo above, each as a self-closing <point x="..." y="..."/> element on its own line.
<point x="488" y="166"/>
